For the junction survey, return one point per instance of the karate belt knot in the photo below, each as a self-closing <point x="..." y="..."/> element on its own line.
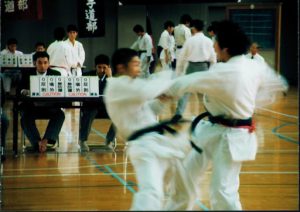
<point x="161" y="128"/>
<point x="235" y="123"/>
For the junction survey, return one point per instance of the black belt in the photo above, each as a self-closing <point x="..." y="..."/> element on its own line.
<point x="160" y="128"/>
<point x="230" y="122"/>
<point x="198" y="62"/>
<point x="193" y="126"/>
<point x="142" y="51"/>
<point x="179" y="47"/>
<point x="221" y="120"/>
<point x="218" y="120"/>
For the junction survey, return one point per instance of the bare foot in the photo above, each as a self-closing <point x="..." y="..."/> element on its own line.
<point x="43" y="145"/>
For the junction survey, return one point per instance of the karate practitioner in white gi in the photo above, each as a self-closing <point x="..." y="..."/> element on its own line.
<point x="60" y="56"/>
<point x="182" y="32"/>
<point x="166" y="42"/>
<point x="143" y="45"/>
<point x="232" y="89"/>
<point x="132" y="105"/>
<point x="76" y="51"/>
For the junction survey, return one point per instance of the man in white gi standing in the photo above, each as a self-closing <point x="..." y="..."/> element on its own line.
<point x="166" y="43"/>
<point x="182" y="32"/>
<point x="232" y="89"/>
<point x="77" y="51"/>
<point x="253" y="53"/>
<point x="59" y="54"/>
<point x="143" y="45"/>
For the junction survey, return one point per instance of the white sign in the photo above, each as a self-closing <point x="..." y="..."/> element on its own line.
<point x="8" y="60"/>
<point x="47" y="86"/>
<point x="25" y="60"/>
<point x="58" y="86"/>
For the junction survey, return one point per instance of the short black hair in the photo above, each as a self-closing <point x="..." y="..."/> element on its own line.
<point x="138" y="28"/>
<point x="101" y="59"/>
<point x="12" y="41"/>
<point x="122" y="56"/>
<point x="59" y="33"/>
<point x="72" y="27"/>
<point x="168" y="24"/>
<point x="185" y="18"/>
<point x="230" y="35"/>
<point x="212" y="26"/>
<point x="39" y="43"/>
<point x="39" y="55"/>
<point x="198" y="24"/>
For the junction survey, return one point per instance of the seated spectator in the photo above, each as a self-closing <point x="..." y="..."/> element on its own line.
<point x="89" y="113"/>
<point x="31" y="111"/>
<point x="39" y="47"/>
<point x="253" y="53"/>
<point x="10" y="75"/>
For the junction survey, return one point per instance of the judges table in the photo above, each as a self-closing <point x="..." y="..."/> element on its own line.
<point x="60" y="102"/>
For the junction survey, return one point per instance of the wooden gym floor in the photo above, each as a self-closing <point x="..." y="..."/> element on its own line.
<point x="66" y="180"/>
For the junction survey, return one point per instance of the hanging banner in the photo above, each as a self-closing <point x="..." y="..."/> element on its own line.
<point x="22" y="9"/>
<point x="91" y="18"/>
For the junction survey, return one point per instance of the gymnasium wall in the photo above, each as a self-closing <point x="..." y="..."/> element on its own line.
<point x="119" y="21"/>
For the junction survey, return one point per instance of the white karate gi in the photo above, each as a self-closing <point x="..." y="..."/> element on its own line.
<point x="167" y="43"/>
<point x="181" y="34"/>
<point x="232" y="89"/>
<point x="60" y="57"/>
<point x="144" y="43"/>
<point x="77" y="55"/>
<point x="131" y="106"/>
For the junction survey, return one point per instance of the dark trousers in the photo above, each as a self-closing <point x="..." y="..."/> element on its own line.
<point x="192" y="68"/>
<point x="56" y="119"/>
<point x="4" y="127"/>
<point x="86" y="119"/>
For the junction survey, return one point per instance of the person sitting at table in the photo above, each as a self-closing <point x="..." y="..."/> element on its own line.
<point x="11" y="76"/>
<point x="90" y="110"/>
<point x="31" y="111"/>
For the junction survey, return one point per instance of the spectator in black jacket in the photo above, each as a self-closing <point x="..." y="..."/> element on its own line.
<point x="31" y="111"/>
<point x="90" y="110"/>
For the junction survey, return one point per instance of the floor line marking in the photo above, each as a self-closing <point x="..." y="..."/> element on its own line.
<point x="285" y="138"/>
<point x="112" y="173"/>
<point x="123" y="182"/>
<point x="201" y="205"/>
<point x="272" y="111"/>
<point x="58" y="175"/>
<point x="121" y="173"/>
<point x="72" y="167"/>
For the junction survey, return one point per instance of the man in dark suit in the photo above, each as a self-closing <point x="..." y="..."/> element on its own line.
<point x="31" y="111"/>
<point x="90" y="110"/>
